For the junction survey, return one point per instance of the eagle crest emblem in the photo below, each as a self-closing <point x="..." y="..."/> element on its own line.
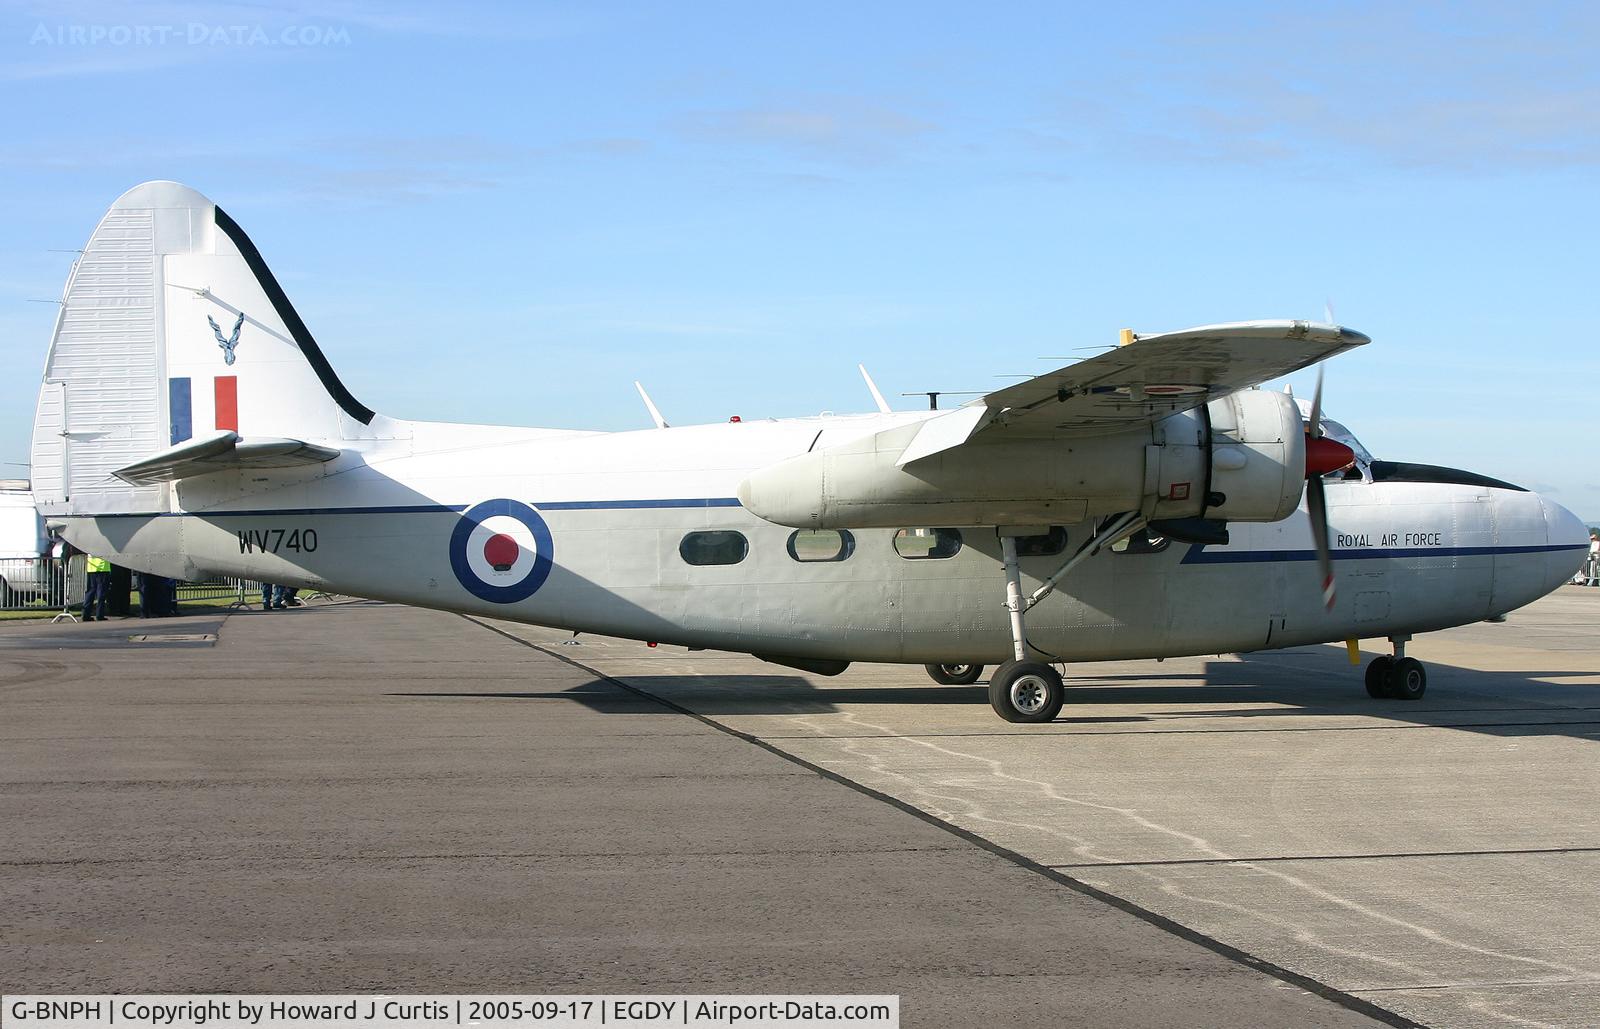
<point x="227" y="344"/>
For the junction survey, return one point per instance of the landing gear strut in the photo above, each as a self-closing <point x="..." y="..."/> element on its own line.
<point x="1398" y="677"/>
<point x="1023" y="689"/>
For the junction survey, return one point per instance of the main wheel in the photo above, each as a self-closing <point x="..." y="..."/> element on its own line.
<point x="1378" y="677"/>
<point x="954" y="675"/>
<point x="1026" y="691"/>
<point x="1408" y="680"/>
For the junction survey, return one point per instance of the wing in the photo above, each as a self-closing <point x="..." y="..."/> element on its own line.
<point x="1143" y="381"/>
<point x="224" y="451"/>
<point x="217" y="330"/>
<point x="234" y="339"/>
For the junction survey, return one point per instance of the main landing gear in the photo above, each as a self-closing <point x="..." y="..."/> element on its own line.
<point x="1398" y="677"/>
<point x="1023" y="689"/>
<point x="1026" y="691"/>
<point x="955" y="675"/>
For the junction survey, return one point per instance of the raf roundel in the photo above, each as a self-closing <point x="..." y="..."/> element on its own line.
<point x="501" y="551"/>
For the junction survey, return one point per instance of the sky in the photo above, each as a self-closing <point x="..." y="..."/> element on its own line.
<point x="508" y="214"/>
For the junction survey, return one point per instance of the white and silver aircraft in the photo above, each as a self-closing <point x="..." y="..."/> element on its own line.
<point x="1138" y="504"/>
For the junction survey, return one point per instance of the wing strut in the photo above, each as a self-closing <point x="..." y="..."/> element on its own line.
<point x="1120" y="528"/>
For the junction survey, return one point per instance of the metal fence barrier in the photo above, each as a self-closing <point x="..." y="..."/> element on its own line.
<point x="47" y="585"/>
<point x="218" y="588"/>
<point x="41" y="583"/>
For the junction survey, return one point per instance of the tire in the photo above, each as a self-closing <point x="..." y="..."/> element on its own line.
<point x="1026" y="691"/>
<point x="1378" y="678"/>
<point x="1408" y="680"/>
<point x="954" y="675"/>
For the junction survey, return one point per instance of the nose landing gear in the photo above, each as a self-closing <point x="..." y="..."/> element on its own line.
<point x="1398" y="677"/>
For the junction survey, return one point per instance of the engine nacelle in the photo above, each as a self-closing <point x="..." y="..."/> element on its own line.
<point x="1242" y="458"/>
<point x="1258" y="457"/>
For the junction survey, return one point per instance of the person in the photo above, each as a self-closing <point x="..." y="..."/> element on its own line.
<point x="1594" y="557"/>
<point x="97" y="581"/>
<point x="149" y="595"/>
<point x="271" y="596"/>
<point x="166" y="596"/>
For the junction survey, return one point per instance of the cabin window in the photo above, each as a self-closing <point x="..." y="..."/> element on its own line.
<point x="922" y="544"/>
<point x="821" y="544"/>
<point x="1047" y="544"/>
<point x="1141" y="542"/>
<point x="714" y="547"/>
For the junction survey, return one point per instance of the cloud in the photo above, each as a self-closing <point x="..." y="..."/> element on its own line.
<point x="834" y="129"/>
<point x="355" y="168"/>
<point x="1471" y="91"/>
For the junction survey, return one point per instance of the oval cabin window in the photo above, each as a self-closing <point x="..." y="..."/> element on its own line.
<point x="714" y="547"/>
<point x="1140" y="542"/>
<point x="1047" y="544"/>
<point x="925" y="544"/>
<point x="821" y="544"/>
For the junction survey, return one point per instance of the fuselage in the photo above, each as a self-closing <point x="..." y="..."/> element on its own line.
<point x="393" y="519"/>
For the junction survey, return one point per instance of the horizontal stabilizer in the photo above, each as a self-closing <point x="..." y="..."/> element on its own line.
<point x="221" y="452"/>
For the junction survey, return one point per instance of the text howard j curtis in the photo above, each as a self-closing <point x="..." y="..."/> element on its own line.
<point x="200" y="1012"/>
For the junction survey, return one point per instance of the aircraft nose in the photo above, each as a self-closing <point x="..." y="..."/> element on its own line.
<point x="1568" y="540"/>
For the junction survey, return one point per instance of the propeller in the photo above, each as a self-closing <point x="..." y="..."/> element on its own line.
<point x="1323" y="455"/>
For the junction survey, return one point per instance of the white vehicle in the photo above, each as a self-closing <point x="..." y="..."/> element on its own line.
<point x="1147" y="502"/>
<point x="23" y="542"/>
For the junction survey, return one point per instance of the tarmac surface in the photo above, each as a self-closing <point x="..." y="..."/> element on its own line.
<point x="364" y="797"/>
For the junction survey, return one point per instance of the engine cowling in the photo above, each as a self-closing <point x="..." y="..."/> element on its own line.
<point x="1258" y="457"/>
<point x="1241" y="458"/>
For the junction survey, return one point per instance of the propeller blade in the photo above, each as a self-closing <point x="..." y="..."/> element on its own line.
<point x="1314" y="424"/>
<point x="1317" y="507"/>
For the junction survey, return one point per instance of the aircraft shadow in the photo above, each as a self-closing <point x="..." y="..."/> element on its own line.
<point x="1288" y="686"/>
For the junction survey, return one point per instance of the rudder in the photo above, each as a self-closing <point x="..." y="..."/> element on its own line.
<point x="172" y="327"/>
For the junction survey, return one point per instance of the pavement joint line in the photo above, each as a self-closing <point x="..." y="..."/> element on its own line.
<point x="1216" y="946"/>
<point x="1508" y="852"/>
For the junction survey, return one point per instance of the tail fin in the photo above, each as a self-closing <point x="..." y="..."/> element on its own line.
<point x="172" y="328"/>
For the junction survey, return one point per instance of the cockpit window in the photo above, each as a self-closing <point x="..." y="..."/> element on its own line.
<point x="1336" y="431"/>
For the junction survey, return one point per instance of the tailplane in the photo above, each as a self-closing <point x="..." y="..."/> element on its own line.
<point x="173" y="334"/>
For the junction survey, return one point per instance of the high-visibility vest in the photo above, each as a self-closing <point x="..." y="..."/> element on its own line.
<point x="97" y="564"/>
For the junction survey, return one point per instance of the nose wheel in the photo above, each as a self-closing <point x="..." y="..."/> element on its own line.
<point x="1398" y="677"/>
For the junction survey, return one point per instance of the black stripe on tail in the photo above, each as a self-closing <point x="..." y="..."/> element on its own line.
<point x="297" y="328"/>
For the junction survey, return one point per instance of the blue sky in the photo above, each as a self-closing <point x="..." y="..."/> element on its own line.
<point x="509" y="213"/>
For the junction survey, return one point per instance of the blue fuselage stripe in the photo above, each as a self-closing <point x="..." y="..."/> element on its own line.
<point x="1198" y="555"/>
<point x="555" y="505"/>
<point x="635" y="505"/>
